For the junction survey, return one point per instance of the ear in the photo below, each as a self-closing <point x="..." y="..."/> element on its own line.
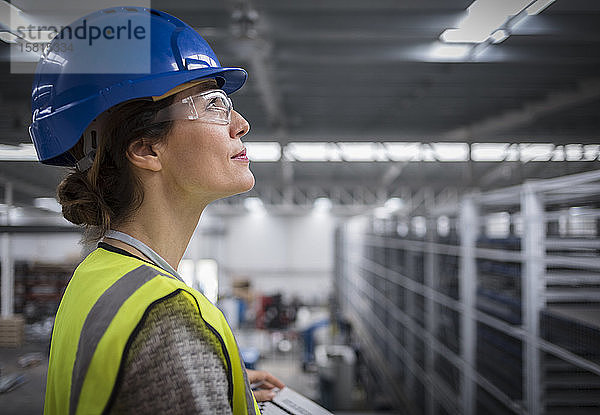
<point x="142" y="155"/>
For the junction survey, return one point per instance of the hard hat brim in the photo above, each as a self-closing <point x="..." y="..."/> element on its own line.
<point x="232" y="78"/>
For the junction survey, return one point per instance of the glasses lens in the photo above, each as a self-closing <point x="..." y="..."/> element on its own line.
<point x="213" y="106"/>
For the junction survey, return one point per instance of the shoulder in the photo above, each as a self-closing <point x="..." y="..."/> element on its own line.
<point x="176" y="321"/>
<point x="173" y="362"/>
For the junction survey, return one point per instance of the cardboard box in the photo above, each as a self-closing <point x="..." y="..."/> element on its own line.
<point x="12" y="331"/>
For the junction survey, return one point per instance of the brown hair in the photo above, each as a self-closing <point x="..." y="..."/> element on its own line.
<point x="107" y="194"/>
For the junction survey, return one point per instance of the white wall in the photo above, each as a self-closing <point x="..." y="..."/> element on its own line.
<point x="48" y="248"/>
<point x="292" y="255"/>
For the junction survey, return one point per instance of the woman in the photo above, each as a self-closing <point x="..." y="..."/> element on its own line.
<point x="150" y="150"/>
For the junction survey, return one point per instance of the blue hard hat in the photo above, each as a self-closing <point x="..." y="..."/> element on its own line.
<point x="109" y="57"/>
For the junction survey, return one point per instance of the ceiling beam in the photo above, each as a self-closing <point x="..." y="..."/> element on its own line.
<point x="391" y="175"/>
<point x="497" y="172"/>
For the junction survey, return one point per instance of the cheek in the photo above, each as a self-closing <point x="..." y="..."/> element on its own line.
<point x="202" y="150"/>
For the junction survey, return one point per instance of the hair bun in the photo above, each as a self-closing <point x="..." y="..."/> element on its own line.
<point x="80" y="204"/>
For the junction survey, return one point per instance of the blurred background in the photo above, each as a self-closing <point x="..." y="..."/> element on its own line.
<point x="423" y="235"/>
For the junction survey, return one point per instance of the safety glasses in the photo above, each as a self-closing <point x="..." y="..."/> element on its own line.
<point x="213" y="106"/>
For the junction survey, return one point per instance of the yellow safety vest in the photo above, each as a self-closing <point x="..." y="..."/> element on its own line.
<point x="101" y="308"/>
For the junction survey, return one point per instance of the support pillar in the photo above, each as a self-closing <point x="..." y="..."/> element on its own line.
<point x="469" y="229"/>
<point x="8" y="268"/>
<point x="532" y="288"/>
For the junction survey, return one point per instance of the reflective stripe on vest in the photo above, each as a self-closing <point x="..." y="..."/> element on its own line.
<point x="99" y="312"/>
<point x="98" y="320"/>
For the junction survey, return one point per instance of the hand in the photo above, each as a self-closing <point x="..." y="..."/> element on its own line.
<point x="266" y="382"/>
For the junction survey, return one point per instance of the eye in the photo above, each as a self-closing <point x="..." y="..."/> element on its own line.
<point x="216" y="103"/>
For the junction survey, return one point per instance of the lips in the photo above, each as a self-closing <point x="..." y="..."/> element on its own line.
<point x="241" y="155"/>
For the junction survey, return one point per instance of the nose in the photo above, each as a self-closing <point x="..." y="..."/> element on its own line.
<point x="238" y="127"/>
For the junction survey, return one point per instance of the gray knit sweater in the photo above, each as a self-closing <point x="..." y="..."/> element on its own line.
<point x="174" y="365"/>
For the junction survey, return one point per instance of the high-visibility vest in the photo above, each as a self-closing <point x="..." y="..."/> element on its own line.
<point x="103" y="304"/>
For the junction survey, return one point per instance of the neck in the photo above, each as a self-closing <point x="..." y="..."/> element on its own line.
<point x="165" y="223"/>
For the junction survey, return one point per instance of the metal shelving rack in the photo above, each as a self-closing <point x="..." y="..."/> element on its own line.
<point x="471" y="323"/>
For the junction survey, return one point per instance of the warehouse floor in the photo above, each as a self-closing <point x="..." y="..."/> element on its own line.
<point x="28" y="398"/>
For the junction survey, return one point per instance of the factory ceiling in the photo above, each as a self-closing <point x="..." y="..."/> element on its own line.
<point x="333" y="71"/>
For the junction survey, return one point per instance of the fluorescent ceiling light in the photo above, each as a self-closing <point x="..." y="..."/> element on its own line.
<point x="38" y="36"/>
<point x="441" y="51"/>
<point x="252" y="203"/>
<point x="488" y="151"/>
<point x="393" y="204"/>
<point x="573" y="152"/>
<point x="8" y="37"/>
<point x="386" y="151"/>
<point x="312" y="152"/>
<point x="518" y="20"/>
<point x="264" y="151"/>
<point x="322" y="204"/>
<point x="443" y="225"/>
<point x="460" y="36"/>
<point x="538" y="6"/>
<point x="536" y="152"/>
<point x="419" y="226"/>
<point x="498" y="36"/>
<point x="11" y="16"/>
<point x="451" y="151"/>
<point x="483" y="18"/>
<point x="403" y="151"/>
<point x="15" y="20"/>
<point x="255" y="206"/>
<point x="512" y="153"/>
<point x="558" y="154"/>
<point x="427" y="153"/>
<point x="402" y="228"/>
<point x="22" y="152"/>
<point x="306" y="151"/>
<point x="577" y="210"/>
<point x="361" y="152"/>
<point x="390" y="206"/>
<point x="333" y="152"/>
<point x="590" y="152"/>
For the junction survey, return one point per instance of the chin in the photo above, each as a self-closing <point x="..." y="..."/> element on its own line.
<point x="240" y="187"/>
<point x="248" y="185"/>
